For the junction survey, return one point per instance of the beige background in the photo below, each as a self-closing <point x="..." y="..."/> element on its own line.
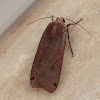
<point x="80" y="78"/>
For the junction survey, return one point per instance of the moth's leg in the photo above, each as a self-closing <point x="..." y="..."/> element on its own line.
<point x="70" y="43"/>
<point x="74" y="23"/>
<point x="52" y="18"/>
<point x="68" y="35"/>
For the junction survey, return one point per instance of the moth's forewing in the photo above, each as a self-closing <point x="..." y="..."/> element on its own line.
<point x="47" y="64"/>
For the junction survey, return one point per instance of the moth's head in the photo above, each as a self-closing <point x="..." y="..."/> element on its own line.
<point x="60" y="20"/>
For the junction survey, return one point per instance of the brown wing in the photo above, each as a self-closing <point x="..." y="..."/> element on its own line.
<point x="47" y="64"/>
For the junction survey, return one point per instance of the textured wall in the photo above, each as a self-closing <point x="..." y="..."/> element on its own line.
<point x="80" y="78"/>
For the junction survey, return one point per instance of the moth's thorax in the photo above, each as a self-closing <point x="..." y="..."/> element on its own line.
<point x="60" y="20"/>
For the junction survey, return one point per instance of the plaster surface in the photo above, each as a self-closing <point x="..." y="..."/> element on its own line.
<point x="80" y="77"/>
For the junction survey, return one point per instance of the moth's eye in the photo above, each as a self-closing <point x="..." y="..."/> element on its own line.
<point x="64" y="20"/>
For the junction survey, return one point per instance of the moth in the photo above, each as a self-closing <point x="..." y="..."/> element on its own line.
<point x="47" y="65"/>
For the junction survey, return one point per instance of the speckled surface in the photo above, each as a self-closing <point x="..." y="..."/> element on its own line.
<point x="80" y="77"/>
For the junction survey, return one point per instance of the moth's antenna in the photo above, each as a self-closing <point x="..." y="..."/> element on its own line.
<point x="65" y="19"/>
<point x="77" y="24"/>
<point x="38" y="19"/>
